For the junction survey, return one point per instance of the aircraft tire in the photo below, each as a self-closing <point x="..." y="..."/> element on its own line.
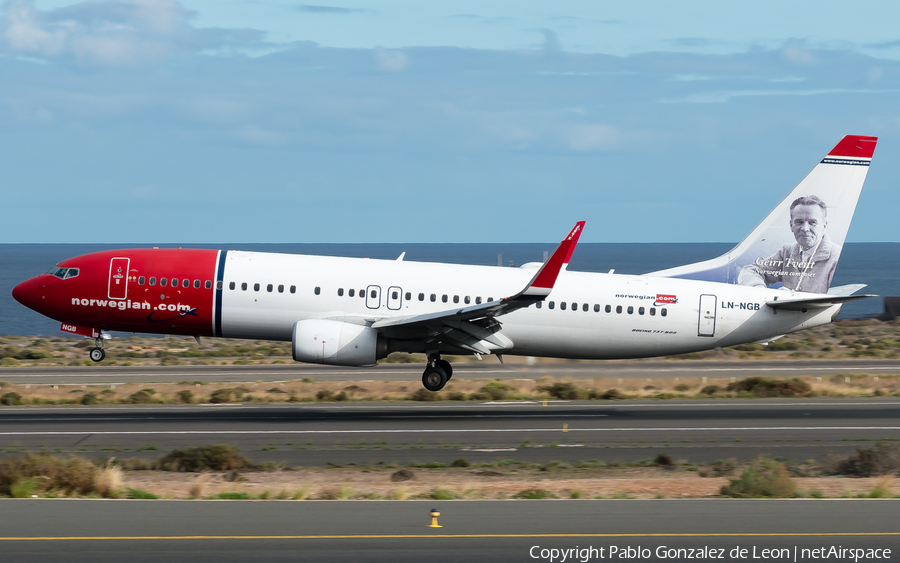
<point x="97" y="354"/>
<point x="445" y="365"/>
<point x="434" y="378"/>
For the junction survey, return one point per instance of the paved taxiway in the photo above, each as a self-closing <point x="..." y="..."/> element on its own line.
<point x="343" y="433"/>
<point x="237" y="531"/>
<point x="488" y="369"/>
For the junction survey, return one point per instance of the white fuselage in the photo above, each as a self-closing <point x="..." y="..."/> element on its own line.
<point x="731" y="314"/>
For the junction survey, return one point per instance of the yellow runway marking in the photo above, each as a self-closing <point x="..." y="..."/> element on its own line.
<point x="454" y="536"/>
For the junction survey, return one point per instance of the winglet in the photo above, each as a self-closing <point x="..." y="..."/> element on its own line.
<point x="545" y="278"/>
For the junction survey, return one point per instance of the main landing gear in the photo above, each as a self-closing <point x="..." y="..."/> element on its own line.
<point x="97" y="353"/>
<point x="437" y="373"/>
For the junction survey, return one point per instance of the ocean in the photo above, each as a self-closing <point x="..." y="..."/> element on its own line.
<point x="876" y="264"/>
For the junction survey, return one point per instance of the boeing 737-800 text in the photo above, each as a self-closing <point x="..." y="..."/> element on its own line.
<point x="352" y="312"/>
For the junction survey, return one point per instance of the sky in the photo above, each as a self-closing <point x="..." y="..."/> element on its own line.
<point x="214" y="121"/>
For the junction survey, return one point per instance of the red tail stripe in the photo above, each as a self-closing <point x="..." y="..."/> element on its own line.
<point x="856" y="146"/>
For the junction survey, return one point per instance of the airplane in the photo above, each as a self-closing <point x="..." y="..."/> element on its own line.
<point x="355" y="311"/>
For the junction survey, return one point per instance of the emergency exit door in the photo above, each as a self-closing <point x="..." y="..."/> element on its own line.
<point x="118" y="278"/>
<point x="707" y="323"/>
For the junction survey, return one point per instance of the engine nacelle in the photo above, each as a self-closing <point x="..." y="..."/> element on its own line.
<point x="336" y="343"/>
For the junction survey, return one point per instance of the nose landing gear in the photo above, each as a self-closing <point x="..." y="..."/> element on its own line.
<point x="437" y="373"/>
<point x="97" y="353"/>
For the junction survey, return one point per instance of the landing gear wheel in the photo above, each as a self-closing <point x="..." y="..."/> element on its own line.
<point x="445" y="365"/>
<point x="434" y="378"/>
<point x="97" y="354"/>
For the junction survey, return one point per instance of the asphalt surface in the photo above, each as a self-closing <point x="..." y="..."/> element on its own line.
<point x="359" y="433"/>
<point x="490" y="368"/>
<point x="238" y="531"/>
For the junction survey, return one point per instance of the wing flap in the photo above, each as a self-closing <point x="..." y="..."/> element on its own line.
<point x="814" y="302"/>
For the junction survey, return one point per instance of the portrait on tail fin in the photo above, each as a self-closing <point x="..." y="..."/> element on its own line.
<point x="809" y="264"/>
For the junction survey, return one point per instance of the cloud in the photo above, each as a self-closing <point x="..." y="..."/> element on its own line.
<point x="314" y="9"/>
<point x="391" y="60"/>
<point x="112" y="33"/>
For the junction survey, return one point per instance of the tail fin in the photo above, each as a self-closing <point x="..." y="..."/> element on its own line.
<point x="798" y="244"/>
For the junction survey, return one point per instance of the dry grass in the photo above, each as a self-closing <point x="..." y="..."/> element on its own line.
<point x="198" y="486"/>
<point x="108" y="481"/>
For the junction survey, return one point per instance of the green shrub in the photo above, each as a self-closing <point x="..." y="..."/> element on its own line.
<point x="496" y="391"/>
<point x="443" y="494"/>
<point x="711" y="390"/>
<point x="88" y="399"/>
<point x="682" y="387"/>
<point x="460" y="463"/>
<point x="141" y="397"/>
<point x="565" y="391"/>
<point x="881" y="459"/>
<point x="425" y="395"/>
<point x="216" y="457"/>
<point x="233" y="495"/>
<point x="764" y="478"/>
<point x="613" y="395"/>
<point x="11" y="398"/>
<point x="25" y="488"/>
<point x="766" y="387"/>
<point x="325" y="395"/>
<point x="139" y="494"/>
<point x="663" y="459"/>
<point x="185" y="396"/>
<point x="534" y="493"/>
<point x="33" y="354"/>
<point x="224" y="395"/>
<point x="70" y="475"/>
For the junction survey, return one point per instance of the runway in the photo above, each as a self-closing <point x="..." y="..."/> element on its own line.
<point x="344" y="531"/>
<point x="490" y="368"/>
<point x="320" y="434"/>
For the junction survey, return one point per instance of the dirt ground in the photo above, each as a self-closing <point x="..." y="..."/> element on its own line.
<point x="469" y="483"/>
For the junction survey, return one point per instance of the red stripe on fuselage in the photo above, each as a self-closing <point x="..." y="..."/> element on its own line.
<point x="84" y="299"/>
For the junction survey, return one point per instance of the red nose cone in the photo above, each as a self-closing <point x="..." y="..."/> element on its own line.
<point x="26" y="292"/>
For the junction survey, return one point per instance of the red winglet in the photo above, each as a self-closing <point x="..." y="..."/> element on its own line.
<point x="546" y="276"/>
<point x="856" y="146"/>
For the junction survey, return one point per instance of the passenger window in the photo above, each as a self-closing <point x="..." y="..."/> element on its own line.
<point x="340" y="292"/>
<point x="608" y="309"/>
<point x="562" y="306"/>
<point x="652" y="311"/>
<point x="280" y="288"/>
<point x="596" y="308"/>
<point x="218" y="284"/>
<point x="209" y="284"/>
<point x="231" y="285"/>
<point x="293" y="289"/>
<point x="584" y="307"/>
<point x="640" y="311"/>
<point x="490" y="299"/>
<point x="630" y="310"/>
<point x="408" y="296"/>
<point x="663" y="311"/>
<point x="619" y="309"/>
<point x="362" y="293"/>
<point x="152" y="281"/>
<point x="478" y="300"/>
<point x="456" y="298"/>
<point x="318" y="290"/>
<point x="538" y="304"/>
<point x="433" y="297"/>
<point x="163" y="282"/>
<point x="467" y="299"/>
<point x="269" y="288"/>
<point x="256" y="287"/>
<point x="444" y="298"/>
<point x="197" y="284"/>
<point x="574" y="306"/>
<point x="351" y="293"/>
<point x="141" y="280"/>
<point x="374" y="294"/>
<point x="395" y="295"/>
<point x="421" y="297"/>
<point x="185" y="283"/>
<point x="551" y="305"/>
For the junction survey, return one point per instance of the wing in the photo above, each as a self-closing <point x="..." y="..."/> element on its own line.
<point x="471" y="327"/>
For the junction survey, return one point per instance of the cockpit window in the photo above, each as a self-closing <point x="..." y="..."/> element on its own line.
<point x="63" y="273"/>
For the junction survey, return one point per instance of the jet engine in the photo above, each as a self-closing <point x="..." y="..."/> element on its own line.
<point x="338" y="343"/>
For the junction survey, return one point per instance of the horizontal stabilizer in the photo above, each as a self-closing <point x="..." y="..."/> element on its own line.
<point x="814" y="302"/>
<point x="846" y="289"/>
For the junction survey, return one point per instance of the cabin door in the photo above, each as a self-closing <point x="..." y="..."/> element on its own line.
<point x="118" y="278"/>
<point x="707" y="324"/>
